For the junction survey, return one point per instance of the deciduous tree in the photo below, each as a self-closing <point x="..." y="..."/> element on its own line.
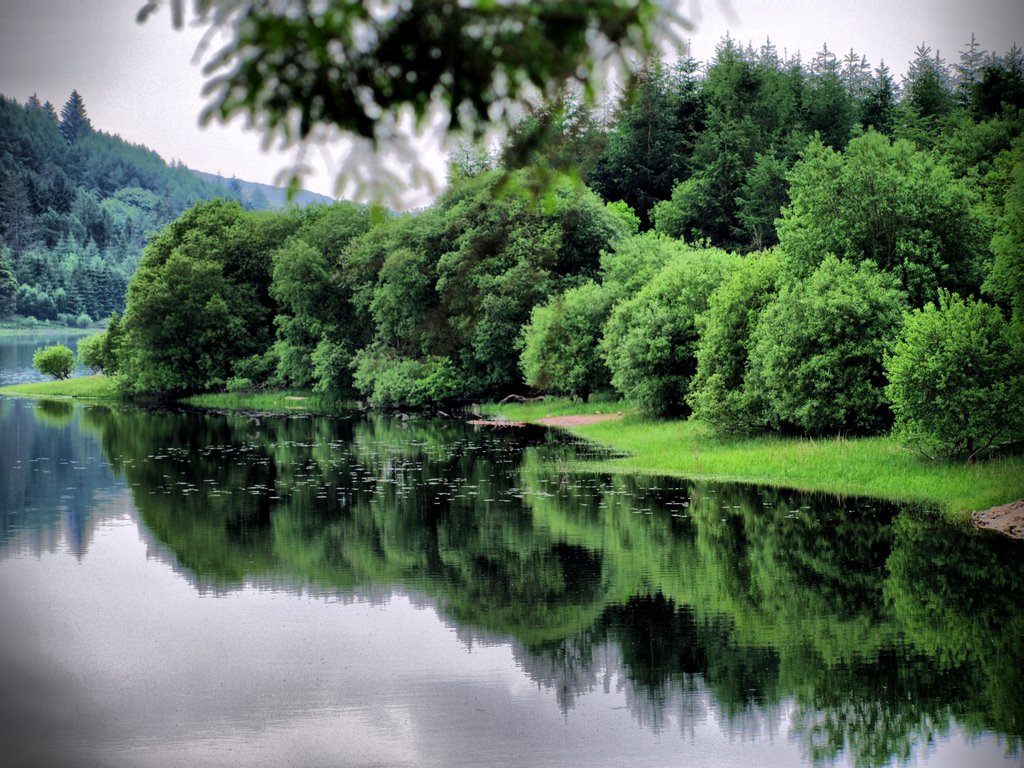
<point x="955" y="379"/>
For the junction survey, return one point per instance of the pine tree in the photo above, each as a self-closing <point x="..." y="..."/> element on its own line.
<point x="877" y="110"/>
<point x="968" y="72"/>
<point x="74" y="123"/>
<point x="927" y="84"/>
<point x="8" y="285"/>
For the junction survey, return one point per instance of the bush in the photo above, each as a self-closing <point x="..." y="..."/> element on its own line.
<point x="99" y="352"/>
<point x="560" y="350"/>
<point x="92" y="352"/>
<point x="650" y="340"/>
<point x="387" y="380"/>
<point x="720" y="393"/>
<point x="956" y="381"/>
<point x="239" y="384"/>
<point x="816" y="356"/>
<point x="83" y="321"/>
<point x="57" y="361"/>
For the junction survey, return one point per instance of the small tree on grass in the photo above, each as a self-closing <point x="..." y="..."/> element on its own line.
<point x="57" y="361"/>
<point x="956" y="379"/>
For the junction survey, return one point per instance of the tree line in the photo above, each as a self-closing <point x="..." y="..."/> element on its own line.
<point x="767" y="244"/>
<point x="76" y="207"/>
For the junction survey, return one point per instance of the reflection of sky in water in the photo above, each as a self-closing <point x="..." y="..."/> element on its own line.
<point x="16" y="355"/>
<point x="116" y="658"/>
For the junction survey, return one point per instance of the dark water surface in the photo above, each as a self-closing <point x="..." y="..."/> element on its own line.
<point x="181" y="588"/>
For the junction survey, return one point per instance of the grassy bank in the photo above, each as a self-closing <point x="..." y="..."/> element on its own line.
<point x="97" y="387"/>
<point x="876" y="466"/>
<point x="44" y="329"/>
<point x="554" y="406"/>
<point x="100" y="387"/>
<point x="272" y="401"/>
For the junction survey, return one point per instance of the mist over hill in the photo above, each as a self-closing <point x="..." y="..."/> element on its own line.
<point x="264" y="196"/>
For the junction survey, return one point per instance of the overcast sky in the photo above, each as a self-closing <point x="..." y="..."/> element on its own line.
<point x="140" y="81"/>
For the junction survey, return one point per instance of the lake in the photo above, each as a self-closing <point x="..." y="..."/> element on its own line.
<point x="16" y="353"/>
<point x="190" y="588"/>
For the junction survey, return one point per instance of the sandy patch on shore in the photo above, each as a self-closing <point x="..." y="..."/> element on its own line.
<point x="577" y="421"/>
<point x="1008" y="519"/>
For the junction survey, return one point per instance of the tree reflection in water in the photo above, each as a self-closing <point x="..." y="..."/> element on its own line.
<point x="858" y="627"/>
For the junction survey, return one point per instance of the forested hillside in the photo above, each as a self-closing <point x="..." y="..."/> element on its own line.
<point x="76" y="207"/>
<point x="751" y="239"/>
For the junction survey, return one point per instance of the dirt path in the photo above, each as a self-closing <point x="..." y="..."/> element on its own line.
<point x="577" y="421"/>
<point x="1008" y="519"/>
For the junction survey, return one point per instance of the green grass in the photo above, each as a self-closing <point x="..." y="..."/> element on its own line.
<point x="279" y="401"/>
<point x="554" y="406"/>
<point x="97" y="387"/>
<point x="876" y="466"/>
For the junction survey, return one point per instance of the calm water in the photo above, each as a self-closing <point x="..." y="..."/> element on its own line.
<point x="16" y="354"/>
<point x="179" y="588"/>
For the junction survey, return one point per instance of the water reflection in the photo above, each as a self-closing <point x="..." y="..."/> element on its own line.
<point x="858" y="630"/>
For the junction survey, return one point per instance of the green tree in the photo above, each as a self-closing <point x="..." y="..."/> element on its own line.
<point x="1001" y="84"/>
<point x="955" y="379"/>
<point x="90" y="352"/>
<point x="1006" y="280"/>
<point x="8" y="286"/>
<point x="751" y="108"/>
<point x="650" y="340"/>
<point x="57" y="361"/>
<point x="74" y="123"/>
<point x="816" y="353"/>
<point x="720" y="393"/>
<point x="504" y="253"/>
<point x="889" y="203"/>
<point x="879" y="105"/>
<point x="560" y="345"/>
<point x="928" y="86"/>
<point x="828" y="106"/>
<point x="760" y="201"/>
<point x="200" y="301"/>
<point x="650" y="143"/>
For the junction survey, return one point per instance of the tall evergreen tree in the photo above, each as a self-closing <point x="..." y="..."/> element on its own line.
<point x="74" y="123"/>
<point x="1002" y="82"/>
<point x="927" y="85"/>
<point x="649" y="148"/>
<point x="879" y="105"/>
<point x="967" y="74"/>
<point x="8" y="286"/>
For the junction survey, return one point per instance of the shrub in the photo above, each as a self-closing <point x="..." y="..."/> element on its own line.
<point x="57" y="361"/>
<point x="92" y="351"/>
<point x="239" y="384"/>
<point x="956" y="381"/>
<point x="816" y="356"/>
<point x="720" y="393"/>
<point x="560" y="350"/>
<point x="650" y="340"/>
<point x="388" y="380"/>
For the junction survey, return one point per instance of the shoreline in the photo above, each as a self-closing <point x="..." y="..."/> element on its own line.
<point x="988" y="495"/>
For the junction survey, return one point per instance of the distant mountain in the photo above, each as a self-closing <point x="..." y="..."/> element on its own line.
<point x="256" y="193"/>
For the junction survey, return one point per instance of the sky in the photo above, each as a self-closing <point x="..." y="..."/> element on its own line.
<point x="141" y="81"/>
